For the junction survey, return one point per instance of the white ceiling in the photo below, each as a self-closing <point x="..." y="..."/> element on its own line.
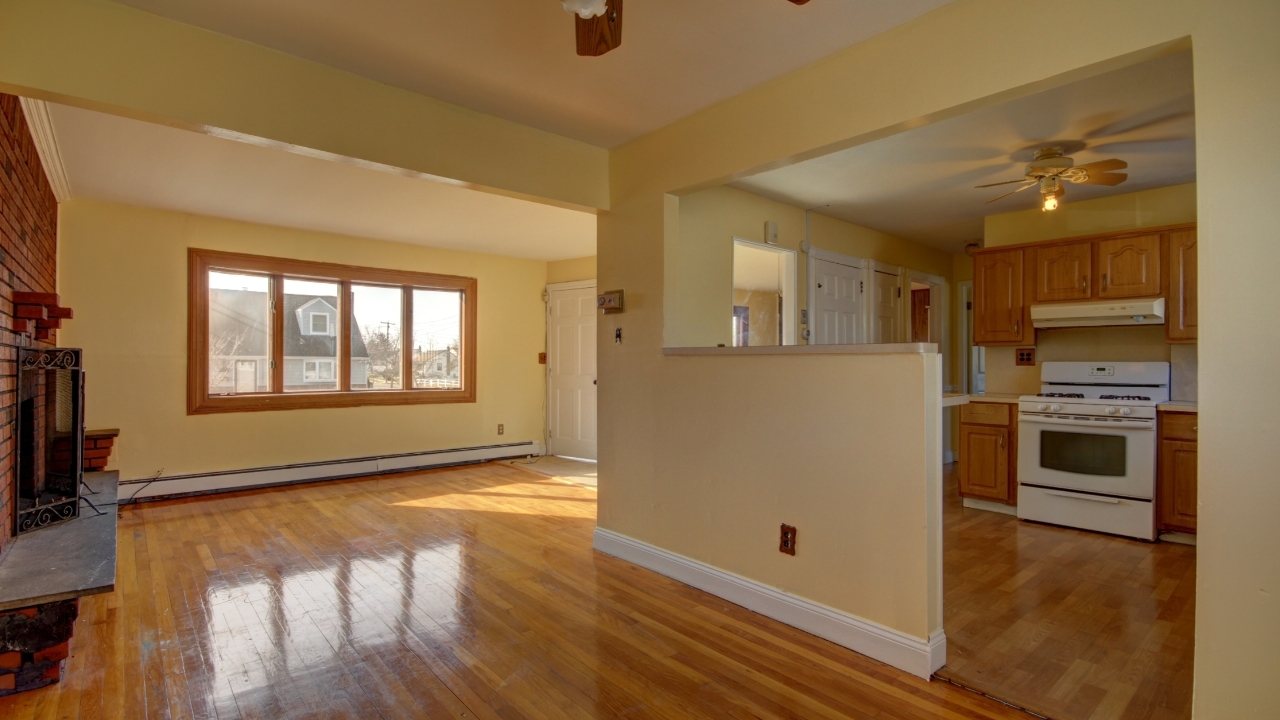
<point x="127" y="161"/>
<point x="919" y="184"/>
<point x="516" y="59"/>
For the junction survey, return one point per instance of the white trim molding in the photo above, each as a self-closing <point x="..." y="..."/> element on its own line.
<point x="167" y="486"/>
<point x="905" y="652"/>
<point x="571" y="285"/>
<point x="37" y="114"/>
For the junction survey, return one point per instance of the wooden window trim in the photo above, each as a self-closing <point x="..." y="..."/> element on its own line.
<point x="199" y="402"/>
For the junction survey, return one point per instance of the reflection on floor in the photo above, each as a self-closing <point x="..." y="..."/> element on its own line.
<point x="470" y="591"/>
<point x="1066" y="623"/>
<point x="577" y="472"/>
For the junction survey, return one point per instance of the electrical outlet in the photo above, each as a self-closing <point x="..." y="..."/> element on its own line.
<point x="787" y="540"/>
<point x="617" y="335"/>
<point x="1026" y="356"/>
<point x="502" y="428"/>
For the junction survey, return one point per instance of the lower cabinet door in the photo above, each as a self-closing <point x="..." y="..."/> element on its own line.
<point x="984" y="462"/>
<point x="1177" y="489"/>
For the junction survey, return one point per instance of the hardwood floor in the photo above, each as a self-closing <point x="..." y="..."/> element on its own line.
<point x="1069" y="624"/>
<point x="468" y="592"/>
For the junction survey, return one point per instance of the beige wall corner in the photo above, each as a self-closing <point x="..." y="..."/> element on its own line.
<point x="106" y="56"/>
<point x="124" y="272"/>
<point x="583" y="268"/>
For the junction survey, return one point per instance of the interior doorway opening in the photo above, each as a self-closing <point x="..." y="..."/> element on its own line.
<point x="764" y="295"/>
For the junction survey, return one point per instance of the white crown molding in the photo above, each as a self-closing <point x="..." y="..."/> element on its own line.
<point x="905" y="652"/>
<point x="37" y="113"/>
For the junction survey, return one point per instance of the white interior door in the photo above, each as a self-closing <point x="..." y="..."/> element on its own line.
<point x="886" y="316"/>
<point x="837" y="311"/>
<point x="571" y="372"/>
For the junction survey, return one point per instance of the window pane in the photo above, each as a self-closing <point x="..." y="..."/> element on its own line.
<point x="310" y="335"/>
<point x="375" y="338"/>
<point x="239" y="333"/>
<point x="437" y="330"/>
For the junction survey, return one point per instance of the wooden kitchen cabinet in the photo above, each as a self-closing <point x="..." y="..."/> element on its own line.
<point x="988" y="452"/>
<point x="999" y="301"/>
<point x="1182" y="325"/>
<point x="1177" y="473"/>
<point x="1129" y="267"/>
<point x="1063" y="272"/>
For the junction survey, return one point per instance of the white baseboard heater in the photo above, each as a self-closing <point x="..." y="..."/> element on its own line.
<point x="171" y="486"/>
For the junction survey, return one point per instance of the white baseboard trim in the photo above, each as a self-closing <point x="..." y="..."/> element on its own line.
<point x="905" y="652"/>
<point x="989" y="506"/>
<point x="131" y="491"/>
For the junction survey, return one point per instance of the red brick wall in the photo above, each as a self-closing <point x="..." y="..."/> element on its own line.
<point x="28" y="247"/>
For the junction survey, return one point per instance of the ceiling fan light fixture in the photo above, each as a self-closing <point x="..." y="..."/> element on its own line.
<point x="1050" y="191"/>
<point x="585" y="9"/>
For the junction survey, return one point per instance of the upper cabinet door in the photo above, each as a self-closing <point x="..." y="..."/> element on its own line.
<point x="998" y="297"/>
<point x="1129" y="267"/>
<point x="1182" y="325"/>
<point x="1063" y="272"/>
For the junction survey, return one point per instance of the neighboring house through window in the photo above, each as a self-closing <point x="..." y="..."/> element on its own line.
<point x="345" y="335"/>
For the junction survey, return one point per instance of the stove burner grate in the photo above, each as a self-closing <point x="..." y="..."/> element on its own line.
<point x="1062" y="395"/>
<point x="1122" y="397"/>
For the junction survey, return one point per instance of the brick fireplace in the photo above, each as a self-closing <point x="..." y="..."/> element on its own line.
<point x="28" y="256"/>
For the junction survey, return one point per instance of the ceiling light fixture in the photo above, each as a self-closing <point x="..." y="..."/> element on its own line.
<point x="585" y="9"/>
<point x="1050" y="191"/>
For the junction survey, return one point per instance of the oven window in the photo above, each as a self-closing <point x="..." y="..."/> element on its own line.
<point x="1083" y="453"/>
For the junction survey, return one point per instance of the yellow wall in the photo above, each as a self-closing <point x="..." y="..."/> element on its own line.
<point x="945" y="63"/>
<point x="1148" y="208"/>
<point x="700" y="261"/>
<point x="106" y="56"/>
<point x="583" y="268"/>
<point x="856" y="490"/>
<point x="123" y="270"/>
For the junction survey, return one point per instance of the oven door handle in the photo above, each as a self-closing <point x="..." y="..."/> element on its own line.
<point x="1077" y="496"/>
<point x="1109" y="424"/>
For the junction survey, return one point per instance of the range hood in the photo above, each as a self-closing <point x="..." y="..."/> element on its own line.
<point x="1147" y="311"/>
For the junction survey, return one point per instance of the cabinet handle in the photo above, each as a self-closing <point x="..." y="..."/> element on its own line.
<point x="1084" y="284"/>
<point x="1017" y="328"/>
<point x="1001" y="442"/>
<point x="1104" y="282"/>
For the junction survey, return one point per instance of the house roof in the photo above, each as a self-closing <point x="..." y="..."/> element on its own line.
<point x="239" y="313"/>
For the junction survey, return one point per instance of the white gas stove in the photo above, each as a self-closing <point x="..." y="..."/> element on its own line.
<point x="1087" y="446"/>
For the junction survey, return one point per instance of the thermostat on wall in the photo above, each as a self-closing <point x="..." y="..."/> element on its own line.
<point x="610" y="302"/>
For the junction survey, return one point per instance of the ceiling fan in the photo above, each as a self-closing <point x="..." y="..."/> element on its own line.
<point x="1051" y="167"/>
<point x="599" y="24"/>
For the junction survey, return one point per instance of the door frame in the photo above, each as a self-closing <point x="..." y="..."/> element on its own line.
<point x="787" y="282"/>
<point x="546" y="344"/>
<point x="814" y="255"/>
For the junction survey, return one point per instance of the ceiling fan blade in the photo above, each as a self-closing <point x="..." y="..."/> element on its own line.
<point x="1006" y="182"/>
<point x="600" y="34"/>
<point x="1102" y="166"/>
<point x="1024" y="187"/>
<point x="1105" y="179"/>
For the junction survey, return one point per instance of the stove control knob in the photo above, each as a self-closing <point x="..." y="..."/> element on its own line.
<point x="1055" y="407"/>
<point x="1111" y="411"/>
<point x="1042" y="407"/>
<point x="1126" y="411"/>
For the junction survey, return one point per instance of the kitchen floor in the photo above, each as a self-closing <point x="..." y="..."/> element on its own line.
<point x="1071" y="625"/>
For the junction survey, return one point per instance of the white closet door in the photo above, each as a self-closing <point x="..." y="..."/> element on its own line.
<point x="886" y="316"/>
<point x="571" y="372"/>
<point x="837" y="309"/>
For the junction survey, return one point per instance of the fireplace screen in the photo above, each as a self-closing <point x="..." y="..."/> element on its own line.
<point x="50" y="437"/>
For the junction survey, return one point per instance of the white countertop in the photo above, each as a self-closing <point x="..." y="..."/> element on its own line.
<point x="1187" y="406"/>
<point x="953" y="399"/>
